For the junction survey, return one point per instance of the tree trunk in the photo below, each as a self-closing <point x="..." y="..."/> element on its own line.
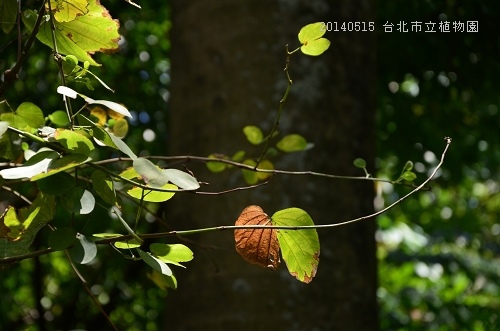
<point x="227" y="72"/>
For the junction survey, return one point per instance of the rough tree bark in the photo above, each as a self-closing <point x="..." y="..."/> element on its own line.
<point x="227" y="72"/>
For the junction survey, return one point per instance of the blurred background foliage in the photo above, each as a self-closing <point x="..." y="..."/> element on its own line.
<point x="438" y="251"/>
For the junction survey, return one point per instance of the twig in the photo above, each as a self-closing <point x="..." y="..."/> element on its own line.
<point x="280" y="108"/>
<point x="222" y="228"/>
<point x="87" y="289"/>
<point x="10" y="75"/>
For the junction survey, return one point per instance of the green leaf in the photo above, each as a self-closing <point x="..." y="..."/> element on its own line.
<point x="59" y="118"/>
<point x="4" y="126"/>
<point x="181" y="179"/>
<point x="359" y="163"/>
<point x="74" y="141"/>
<point x="409" y="176"/>
<point x="252" y="177"/>
<point x="79" y="201"/>
<point x="293" y="143"/>
<point x="62" y="164"/>
<point x="155" y="263"/>
<point x="64" y="44"/>
<point x="8" y="14"/>
<point x="150" y="173"/>
<point x="254" y="134"/>
<point x="310" y="38"/>
<point x="19" y="230"/>
<point x="104" y="186"/>
<point x="299" y="248"/>
<point x="162" y="281"/>
<point x="107" y="235"/>
<point x="408" y="166"/>
<point x="37" y="165"/>
<point x="111" y="105"/>
<point x="62" y="238"/>
<point x="121" y="145"/>
<point x="93" y="32"/>
<point x="214" y="166"/>
<point x="68" y="10"/>
<point x="100" y="134"/>
<point x="27" y="117"/>
<point x="152" y="196"/>
<point x="172" y="253"/>
<point x="57" y="184"/>
<point x="133" y="243"/>
<point x="84" y="251"/>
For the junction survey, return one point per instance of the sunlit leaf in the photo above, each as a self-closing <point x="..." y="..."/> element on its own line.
<point x="68" y="10"/>
<point x="133" y="243"/>
<point x="27" y="117"/>
<point x="181" y="179"/>
<point x="299" y="248"/>
<point x="214" y="166"/>
<point x="4" y="126"/>
<point x="252" y="177"/>
<point x="95" y="31"/>
<point x="293" y="143"/>
<point x="172" y="253"/>
<point x="66" y="91"/>
<point x="254" y="134"/>
<point x="153" y="196"/>
<point x="310" y="38"/>
<point x="150" y="173"/>
<point x="18" y="230"/>
<point x="59" y="118"/>
<point x="62" y="164"/>
<point x="155" y="263"/>
<point x="84" y="251"/>
<point x="257" y="246"/>
<point x="162" y="281"/>
<point x="111" y="105"/>
<point x="120" y="128"/>
<point x="36" y="165"/>
<point x="74" y="141"/>
<point x="107" y="235"/>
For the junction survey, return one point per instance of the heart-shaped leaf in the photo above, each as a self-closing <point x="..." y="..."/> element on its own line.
<point x="300" y="248"/>
<point x="310" y="38"/>
<point x="257" y="246"/>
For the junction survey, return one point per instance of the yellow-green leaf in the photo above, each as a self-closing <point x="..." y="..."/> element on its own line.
<point x="299" y="248"/>
<point x="68" y="10"/>
<point x="153" y="196"/>
<point x="133" y="243"/>
<point x="27" y="117"/>
<point x="18" y="230"/>
<point x="310" y="38"/>
<point x="74" y="141"/>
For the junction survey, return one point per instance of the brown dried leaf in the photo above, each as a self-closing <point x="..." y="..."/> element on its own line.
<point x="257" y="246"/>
